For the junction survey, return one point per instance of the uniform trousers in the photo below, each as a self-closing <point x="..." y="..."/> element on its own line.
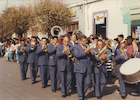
<point x="83" y="83"/>
<point x="44" y="74"/>
<point x="65" y="78"/>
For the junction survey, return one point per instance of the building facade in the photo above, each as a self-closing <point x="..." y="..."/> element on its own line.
<point x="108" y="18"/>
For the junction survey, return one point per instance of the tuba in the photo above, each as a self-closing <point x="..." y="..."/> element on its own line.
<point x="56" y="31"/>
<point x="78" y="33"/>
<point x="105" y="51"/>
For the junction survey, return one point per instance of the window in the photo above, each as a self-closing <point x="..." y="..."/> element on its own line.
<point x="73" y="26"/>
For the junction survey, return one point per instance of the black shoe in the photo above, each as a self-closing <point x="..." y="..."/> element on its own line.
<point x="85" y="98"/>
<point x="63" y="96"/>
<point x="43" y="86"/>
<point x="109" y="82"/>
<point x="99" y="97"/>
<point x="23" y="79"/>
<point x="53" y="90"/>
<point x="123" y="97"/>
<point x="58" y="89"/>
<point x="33" y="83"/>
<point x="68" y="94"/>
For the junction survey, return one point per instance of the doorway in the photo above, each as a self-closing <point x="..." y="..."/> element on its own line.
<point x="100" y="28"/>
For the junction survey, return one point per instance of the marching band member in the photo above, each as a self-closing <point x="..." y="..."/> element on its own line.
<point x="22" y="59"/>
<point x="120" y="57"/>
<point x="100" y="72"/>
<point x="82" y="67"/>
<point x="53" y="62"/>
<point x="116" y="41"/>
<point x="32" y="58"/>
<point x="64" y="66"/>
<point x="72" y="44"/>
<point x="43" y="60"/>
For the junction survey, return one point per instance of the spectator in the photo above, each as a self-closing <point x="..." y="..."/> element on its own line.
<point x="135" y="47"/>
<point x="8" y="53"/>
<point x="1" y="47"/>
<point x="109" y="68"/>
<point x="13" y="49"/>
<point x="129" y="47"/>
<point x="16" y="48"/>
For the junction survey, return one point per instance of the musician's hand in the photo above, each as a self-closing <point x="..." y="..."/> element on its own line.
<point x="22" y="48"/>
<point x="65" y="49"/>
<point x="34" y="45"/>
<point x="122" y="54"/>
<point x="91" y="48"/>
<point x="107" y="58"/>
<point x="87" y="49"/>
<point x="56" y="45"/>
<point x="42" y="47"/>
<point x="103" y="57"/>
<point x="73" y="59"/>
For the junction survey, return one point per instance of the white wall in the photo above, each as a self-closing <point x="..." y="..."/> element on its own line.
<point x="79" y="17"/>
<point x="115" y="17"/>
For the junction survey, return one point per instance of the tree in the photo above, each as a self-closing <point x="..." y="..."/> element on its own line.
<point x="17" y="20"/>
<point x="49" y="13"/>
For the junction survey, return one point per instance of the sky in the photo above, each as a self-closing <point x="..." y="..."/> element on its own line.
<point x="18" y="2"/>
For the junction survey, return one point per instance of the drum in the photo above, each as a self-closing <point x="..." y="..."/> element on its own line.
<point x="131" y="70"/>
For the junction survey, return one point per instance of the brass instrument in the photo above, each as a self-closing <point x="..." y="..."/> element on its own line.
<point x="32" y="47"/>
<point x="91" y="49"/>
<point x="110" y="45"/>
<point x="23" y="51"/>
<point x="69" y="54"/>
<point x="45" y="48"/>
<point x="78" y="33"/>
<point x="56" y="31"/>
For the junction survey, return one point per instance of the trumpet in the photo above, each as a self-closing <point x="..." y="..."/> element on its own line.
<point x="69" y="53"/>
<point x="91" y="49"/>
<point x="23" y="51"/>
<point x="45" y="48"/>
<point x="32" y="45"/>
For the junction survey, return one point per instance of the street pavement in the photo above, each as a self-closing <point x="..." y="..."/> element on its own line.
<point x="13" y="88"/>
